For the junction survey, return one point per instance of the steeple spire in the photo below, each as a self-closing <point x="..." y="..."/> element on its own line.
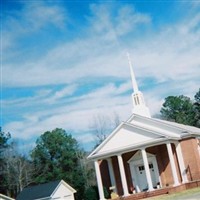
<point x="139" y="106"/>
<point x="134" y="83"/>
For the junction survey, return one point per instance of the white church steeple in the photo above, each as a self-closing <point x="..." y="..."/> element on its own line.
<point x="139" y="106"/>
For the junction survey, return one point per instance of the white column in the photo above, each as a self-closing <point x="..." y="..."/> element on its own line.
<point x="99" y="180"/>
<point x="147" y="171"/>
<point x="111" y="173"/>
<point x="172" y="164"/>
<point x="181" y="163"/>
<point x="122" y="174"/>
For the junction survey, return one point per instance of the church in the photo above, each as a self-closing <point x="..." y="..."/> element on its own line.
<point x="145" y="156"/>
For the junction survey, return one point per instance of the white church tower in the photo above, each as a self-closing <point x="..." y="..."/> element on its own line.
<point x="139" y="106"/>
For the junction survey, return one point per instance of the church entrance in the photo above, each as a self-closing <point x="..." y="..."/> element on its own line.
<point x="138" y="171"/>
<point x="142" y="181"/>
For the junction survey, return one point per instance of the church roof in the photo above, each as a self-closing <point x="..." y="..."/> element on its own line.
<point x="38" y="191"/>
<point x="170" y="128"/>
<point x="139" y="131"/>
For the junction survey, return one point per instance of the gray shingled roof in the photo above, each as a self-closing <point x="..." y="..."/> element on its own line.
<point x="38" y="191"/>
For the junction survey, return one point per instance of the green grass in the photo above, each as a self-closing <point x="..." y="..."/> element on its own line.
<point x="178" y="195"/>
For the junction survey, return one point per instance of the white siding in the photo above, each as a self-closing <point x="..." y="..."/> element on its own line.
<point x="63" y="193"/>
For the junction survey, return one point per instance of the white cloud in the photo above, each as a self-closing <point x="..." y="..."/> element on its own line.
<point x="128" y="20"/>
<point x="38" y="14"/>
<point x="176" y="58"/>
<point x="72" y="117"/>
<point x="33" y="16"/>
<point x="66" y="91"/>
<point x="169" y="56"/>
<point x="113" y="21"/>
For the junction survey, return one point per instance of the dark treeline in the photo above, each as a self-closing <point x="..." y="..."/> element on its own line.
<point x="182" y="109"/>
<point x="56" y="156"/>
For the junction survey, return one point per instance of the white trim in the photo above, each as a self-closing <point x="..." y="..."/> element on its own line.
<point x="105" y="141"/>
<point x="172" y="164"/>
<point x="146" y="131"/>
<point x="176" y="131"/>
<point x="111" y="173"/>
<point x="6" y="197"/>
<point x="157" y="121"/>
<point x="182" y="130"/>
<point x="123" y="176"/>
<point x="99" y="180"/>
<point x="130" y="148"/>
<point x="147" y="170"/>
<point x="181" y="163"/>
<point x="66" y="185"/>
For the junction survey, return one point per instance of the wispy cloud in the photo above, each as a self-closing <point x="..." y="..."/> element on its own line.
<point x="34" y="16"/>
<point x="95" y="58"/>
<point x="113" y="21"/>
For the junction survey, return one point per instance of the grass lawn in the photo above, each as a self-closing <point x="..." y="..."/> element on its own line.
<point x="180" y="195"/>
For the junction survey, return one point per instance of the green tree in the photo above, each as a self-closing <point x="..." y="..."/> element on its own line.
<point x="92" y="193"/>
<point x="57" y="156"/>
<point x="4" y="138"/>
<point x="197" y="108"/>
<point x="197" y="96"/>
<point x="179" y="109"/>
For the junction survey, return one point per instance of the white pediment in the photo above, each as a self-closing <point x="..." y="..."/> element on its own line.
<point x="141" y="131"/>
<point x="126" y="135"/>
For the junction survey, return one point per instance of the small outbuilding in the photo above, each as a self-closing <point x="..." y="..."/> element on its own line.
<point x="52" y="190"/>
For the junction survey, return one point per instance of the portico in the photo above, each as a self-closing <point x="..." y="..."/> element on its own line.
<point x="139" y="170"/>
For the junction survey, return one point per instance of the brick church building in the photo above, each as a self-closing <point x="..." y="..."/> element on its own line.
<point x="146" y="156"/>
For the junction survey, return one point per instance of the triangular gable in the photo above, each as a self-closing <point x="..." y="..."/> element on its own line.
<point x="105" y="141"/>
<point x="126" y="135"/>
<point x="63" y="190"/>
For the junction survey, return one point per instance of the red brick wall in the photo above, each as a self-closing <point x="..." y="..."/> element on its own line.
<point x="126" y="157"/>
<point x="191" y="158"/>
<point x="163" y="164"/>
<point x="105" y="174"/>
<point x="117" y="175"/>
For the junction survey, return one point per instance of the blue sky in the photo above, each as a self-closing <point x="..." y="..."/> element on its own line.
<point x="64" y="62"/>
